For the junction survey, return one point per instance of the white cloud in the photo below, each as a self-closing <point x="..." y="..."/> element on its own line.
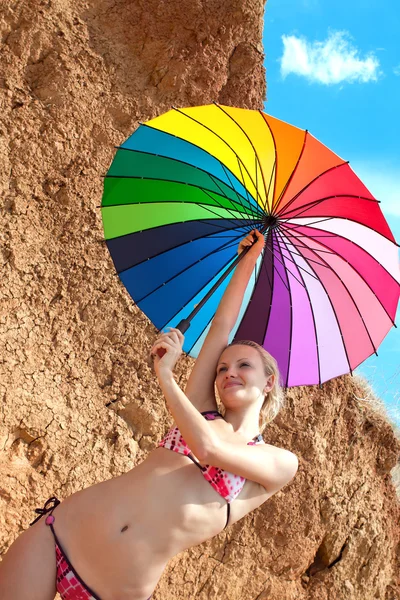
<point x="396" y="70"/>
<point x="334" y="60"/>
<point x="383" y="182"/>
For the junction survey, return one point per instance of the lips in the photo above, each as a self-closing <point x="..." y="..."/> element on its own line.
<point x="231" y="384"/>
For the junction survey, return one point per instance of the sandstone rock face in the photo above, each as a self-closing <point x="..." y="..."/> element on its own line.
<point x="78" y="402"/>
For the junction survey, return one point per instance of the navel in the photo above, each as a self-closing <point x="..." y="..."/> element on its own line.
<point x="124" y="528"/>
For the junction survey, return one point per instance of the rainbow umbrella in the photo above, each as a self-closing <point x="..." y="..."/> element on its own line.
<point x="188" y="185"/>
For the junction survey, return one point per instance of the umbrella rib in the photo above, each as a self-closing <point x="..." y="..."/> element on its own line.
<point x="218" y="136"/>
<point x="296" y="226"/>
<point x="359" y="274"/>
<point x="183" y="183"/>
<point x="317" y="236"/>
<point x="314" y="203"/>
<point x="241" y="174"/>
<point x="223" y="247"/>
<point x="284" y="208"/>
<point x="200" y="334"/>
<point x="194" y="295"/>
<point x="273" y="171"/>
<point x="207" y="221"/>
<point x="215" y="181"/>
<point x="197" y="203"/>
<point x="256" y="207"/>
<point x="275" y="165"/>
<point x="296" y="254"/>
<point x="283" y="229"/>
<point x="346" y="219"/>
<point x="311" y="275"/>
<point x="314" y="323"/>
<point x="183" y="162"/>
<point x="269" y="237"/>
<point x="333" y="235"/>
<point x="274" y="254"/>
<point x="257" y="160"/>
<point x="290" y="313"/>
<point x="257" y="275"/>
<point x="286" y="268"/>
<point x="204" y="328"/>
<point x="244" y="216"/>
<point x="250" y="208"/>
<point x="293" y="172"/>
<point x="264" y="265"/>
<point x="200" y="237"/>
<point x="350" y="295"/>
<point x="337" y="321"/>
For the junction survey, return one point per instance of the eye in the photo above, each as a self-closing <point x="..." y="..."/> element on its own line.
<point x="245" y="365"/>
<point x="221" y="369"/>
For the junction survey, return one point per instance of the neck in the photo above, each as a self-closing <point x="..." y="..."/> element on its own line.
<point x="244" y="421"/>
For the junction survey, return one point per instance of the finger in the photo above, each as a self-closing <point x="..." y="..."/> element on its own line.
<point x="178" y="332"/>
<point x="163" y="341"/>
<point x="161" y="344"/>
<point x="164" y="336"/>
<point x="180" y="335"/>
<point x="173" y="335"/>
<point x="167" y="344"/>
<point x="177" y="335"/>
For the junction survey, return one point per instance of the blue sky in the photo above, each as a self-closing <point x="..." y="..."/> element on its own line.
<point x="334" y="68"/>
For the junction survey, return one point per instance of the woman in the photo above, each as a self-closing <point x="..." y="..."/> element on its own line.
<point x="114" y="539"/>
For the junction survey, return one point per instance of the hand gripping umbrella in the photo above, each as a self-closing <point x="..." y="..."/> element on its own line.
<point x="188" y="185"/>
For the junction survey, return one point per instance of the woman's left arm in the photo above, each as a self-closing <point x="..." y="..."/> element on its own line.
<point x="270" y="466"/>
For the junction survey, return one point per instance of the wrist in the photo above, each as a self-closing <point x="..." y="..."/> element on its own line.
<point x="164" y="374"/>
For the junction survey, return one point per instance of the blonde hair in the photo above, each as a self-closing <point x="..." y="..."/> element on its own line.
<point x="274" y="399"/>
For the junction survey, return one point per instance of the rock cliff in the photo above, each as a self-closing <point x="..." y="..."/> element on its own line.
<point x="78" y="403"/>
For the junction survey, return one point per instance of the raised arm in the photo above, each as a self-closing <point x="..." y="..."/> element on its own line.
<point x="200" y="386"/>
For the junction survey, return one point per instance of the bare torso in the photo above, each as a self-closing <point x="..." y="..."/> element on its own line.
<point x="120" y="534"/>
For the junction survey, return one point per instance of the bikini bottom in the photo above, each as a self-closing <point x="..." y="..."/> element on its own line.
<point x="69" y="584"/>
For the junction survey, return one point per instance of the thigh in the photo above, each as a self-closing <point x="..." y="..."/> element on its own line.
<point x="28" y="569"/>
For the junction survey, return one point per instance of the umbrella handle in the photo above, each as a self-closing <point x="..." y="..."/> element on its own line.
<point x="184" y="324"/>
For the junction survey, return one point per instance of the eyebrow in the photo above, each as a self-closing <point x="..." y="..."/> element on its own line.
<point x="239" y="359"/>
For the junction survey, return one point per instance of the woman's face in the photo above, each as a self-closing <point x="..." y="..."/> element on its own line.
<point x="240" y="376"/>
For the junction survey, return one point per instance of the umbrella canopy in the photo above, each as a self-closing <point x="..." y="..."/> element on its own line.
<point x="188" y="185"/>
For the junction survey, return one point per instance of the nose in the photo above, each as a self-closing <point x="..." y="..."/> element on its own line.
<point x="230" y="372"/>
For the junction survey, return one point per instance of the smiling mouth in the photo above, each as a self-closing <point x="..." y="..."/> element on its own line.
<point x="231" y="385"/>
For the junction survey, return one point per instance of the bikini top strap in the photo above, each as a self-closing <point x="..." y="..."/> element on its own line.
<point x="214" y="413"/>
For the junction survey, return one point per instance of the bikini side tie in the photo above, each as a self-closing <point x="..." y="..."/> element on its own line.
<point x="50" y="505"/>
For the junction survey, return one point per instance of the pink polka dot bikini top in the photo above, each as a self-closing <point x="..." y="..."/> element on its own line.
<point x="226" y="484"/>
